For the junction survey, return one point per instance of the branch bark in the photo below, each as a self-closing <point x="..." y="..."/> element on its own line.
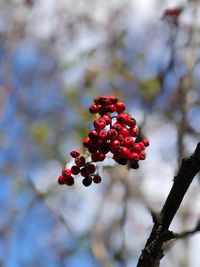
<point x="153" y="252"/>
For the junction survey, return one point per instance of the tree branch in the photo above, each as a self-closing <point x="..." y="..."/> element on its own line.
<point x="152" y="253"/>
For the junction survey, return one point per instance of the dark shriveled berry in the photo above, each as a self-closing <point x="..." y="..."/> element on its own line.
<point x="69" y="180"/>
<point x="97" y="179"/>
<point x="75" y="170"/>
<point x="87" y="181"/>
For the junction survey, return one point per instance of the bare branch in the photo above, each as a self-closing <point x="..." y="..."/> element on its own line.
<point x="153" y="251"/>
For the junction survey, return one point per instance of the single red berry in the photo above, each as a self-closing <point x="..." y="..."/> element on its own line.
<point x="93" y="135"/>
<point x="80" y="162"/>
<point x="103" y="135"/>
<point x="61" y="180"/>
<point x="134" y="131"/>
<point x="122" y="118"/>
<point x="142" y="146"/>
<point x="96" y="179"/>
<point x="66" y="172"/>
<point x="137" y="147"/>
<point x="124" y="151"/>
<point x="111" y="108"/>
<point x="131" y="122"/>
<point x="87" y="181"/>
<point x="125" y="132"/>
<point x="112" y="134"/>
<point x="107" y="119"/>
<point x="93" y="109"/>
<point x="134" y="157"/>
<point x="75" y="153"/>
<point x="99" y="124"/>
<point x="128" y="142"/>
<point x="120" y="107"/>
<point x="145" y="142"/>
<point x="86" y="142"/>
<point x="117" y="126"/>
<point x="75" y="170"/>
<point x="102" y="156"/>
<point x="114" y="145"/>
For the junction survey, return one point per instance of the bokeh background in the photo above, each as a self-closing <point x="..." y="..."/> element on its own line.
<point x="55" y="57"/>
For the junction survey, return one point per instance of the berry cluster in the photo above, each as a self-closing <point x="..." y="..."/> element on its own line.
<point x="115" y="134"/>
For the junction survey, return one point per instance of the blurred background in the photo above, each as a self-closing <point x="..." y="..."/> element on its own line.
<point x="55" y="57"/>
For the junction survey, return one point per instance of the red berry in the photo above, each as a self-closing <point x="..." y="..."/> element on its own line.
<point x="122" y="118"/>
<point x="112" y="134"/>
<point x="124" y="151"/>
<point x="86" y="142"/>
<point x="93" y="134"/>
<point x="131" y="122"/>
<point x="133" y="156"/>
<point x="125" y="132"/>
<point x="97" y="156"/>
<point x="134" y="131"/>
<point x="75" y="170"/>
<point x="93" y="109"/>
<point x="137" y="147"/>
<point x="141" y="145"/>
<point x="61" y="179"/>
<point x="145" y="142"/>
<point x="111" y="108"/>
<point x="66" y="172"/>
<point x="113" y="99"/>
<point x="142" y="155"/>
<point x="120" y="107"/>
<point x="103" y="135"/>
<point x="99" y="124"/>
<point x="117" y="126"/>
<point x="120" y="138"/>
<point x="107" y="119"/>
<point x="102" y="100"/>
<point x="80" y="161"/>
<point x="128" y="142"/>
<point x="97" y="179"/>
<point x="75" y="153"/>
<point x="114" y="145"/>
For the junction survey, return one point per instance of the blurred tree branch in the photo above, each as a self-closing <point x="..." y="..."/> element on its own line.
<point x="153" y="251"/>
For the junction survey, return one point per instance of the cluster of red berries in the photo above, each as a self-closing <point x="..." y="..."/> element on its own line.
<point x="111" y="134"/>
